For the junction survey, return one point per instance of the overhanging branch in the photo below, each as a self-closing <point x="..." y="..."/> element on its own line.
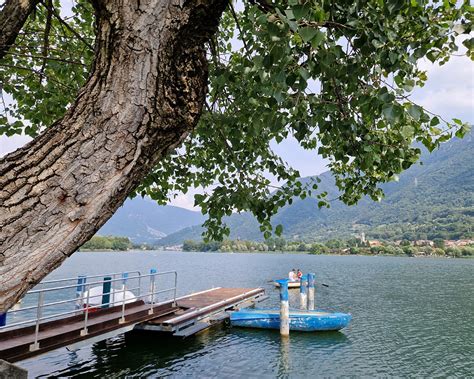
<point x="12" y="18"/>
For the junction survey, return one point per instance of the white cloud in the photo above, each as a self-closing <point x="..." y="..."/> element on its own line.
<point x="185" y="201"/>
<point x="449" y="90"/>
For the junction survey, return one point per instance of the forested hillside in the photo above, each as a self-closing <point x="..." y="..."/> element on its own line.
<point x="433" y="199"/>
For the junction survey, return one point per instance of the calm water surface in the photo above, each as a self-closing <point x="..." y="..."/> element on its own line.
<point x="411" y="318"/>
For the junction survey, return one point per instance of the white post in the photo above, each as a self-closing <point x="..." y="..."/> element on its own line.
<point x="39" y="312"/>
<point x="284" y="309"/>
<point x="124" y="289"/>
<point x="303" y="295"/>
<point x="152" y="290"/>
<point x="80" y="289"/>
<point x="311" y="279"/>
<point x="84" y="331"/>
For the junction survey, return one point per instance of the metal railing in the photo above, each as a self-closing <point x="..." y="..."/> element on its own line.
<point x="83" y="297"/>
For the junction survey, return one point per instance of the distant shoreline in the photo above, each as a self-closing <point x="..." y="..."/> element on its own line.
<point x="269" y="253"/>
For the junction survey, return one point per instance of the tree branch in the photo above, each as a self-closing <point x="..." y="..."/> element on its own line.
<point x="234" y="15"/>
<point x="76" y="34"/>
<point x="47" y="58"/>
<point x="263" y="5"/>
<point x="47" y="30"/>
<point x="12" y="18"/>
<point x="37" y="73"/>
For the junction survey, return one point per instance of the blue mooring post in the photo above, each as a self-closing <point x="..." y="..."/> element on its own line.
<point x="124" y="284"/>
<point x="106" y="287"/>
<point x="80" y="289"/>
<point x="3" y="319"/>
<point x="284" y="309"/>
<point x="124" y="278"/>
<point x="311" y="280"/>
<point x="152" y="289"/>
<point x="303" y="295"/>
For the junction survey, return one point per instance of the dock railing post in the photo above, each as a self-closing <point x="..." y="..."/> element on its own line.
<point x="303" y="295"/>
<point x="139" y="285"/>
<point x="152" y="290"/>
<point x="284" y="309"/>
<point x="106" y="287"/>
<point x="84" y="331"/>
<point x="175" y="287"/>
<point x="311" y="280"/>
<point x="124" y="289"/>
<point x="39" y="313"/>
<point x="80" y="289"/>
<point x="3" y="319"/>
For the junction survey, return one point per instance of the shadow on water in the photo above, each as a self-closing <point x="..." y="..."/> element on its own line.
<point x="134" y="353"/>
<point x="141" y="353"/>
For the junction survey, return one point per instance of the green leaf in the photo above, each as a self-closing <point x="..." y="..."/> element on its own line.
<point x="300" y="11"/>
<point x="415" y="111"/>
<point x="377" y="44"/>
<point x="317" y="39"/>
<point x="307" y="33"/>
<point x="434" y="121"/>
<point x="392" y="112"/>
<point x="460" y="133"/>
<point x="408" y="85"/>
<point x="469" y="43"/>
<point x="278" y="230"/>
<point x="407" y="132"/>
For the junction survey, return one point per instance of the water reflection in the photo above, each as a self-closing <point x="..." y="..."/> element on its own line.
<point x="284" y="367"/>
<point x="318" y="339"/>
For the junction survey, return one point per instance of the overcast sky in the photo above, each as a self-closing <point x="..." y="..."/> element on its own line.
<point x="449" y="92"/>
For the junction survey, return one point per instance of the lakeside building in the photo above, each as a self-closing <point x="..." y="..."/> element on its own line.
<point x="375" y="243"/>
<point x="458" y="243"/>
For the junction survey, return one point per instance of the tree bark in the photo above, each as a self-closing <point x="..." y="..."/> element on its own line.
<point x="12" y="18"/>
<point x="144" y="95"/>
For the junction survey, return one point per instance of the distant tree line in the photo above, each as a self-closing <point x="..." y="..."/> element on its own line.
<point x="107" y="243"/>
<point x="114" y="243"/>
<point x="352" y="246"/>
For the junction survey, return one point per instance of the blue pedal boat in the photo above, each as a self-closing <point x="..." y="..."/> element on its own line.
<point x="291" y="284"/>
<point x="300" y="320"/>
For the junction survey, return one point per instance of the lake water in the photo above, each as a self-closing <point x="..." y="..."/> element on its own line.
<point x="411" y="318"/>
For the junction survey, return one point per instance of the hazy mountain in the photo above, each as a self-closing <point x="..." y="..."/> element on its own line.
<point x="433" y="199"/>
<point x="143" y="220"/>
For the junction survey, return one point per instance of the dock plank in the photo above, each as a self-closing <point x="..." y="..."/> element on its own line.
<point x="209" y="302"/>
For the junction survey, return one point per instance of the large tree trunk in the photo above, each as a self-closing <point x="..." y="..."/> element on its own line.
<point x="144" y="95"/>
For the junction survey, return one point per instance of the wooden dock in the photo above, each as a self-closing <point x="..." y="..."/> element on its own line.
<point x="189" y="315"/>
<point x="199" y="311"/>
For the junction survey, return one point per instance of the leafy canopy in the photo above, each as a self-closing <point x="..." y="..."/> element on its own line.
<point x="335" y="75"/>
